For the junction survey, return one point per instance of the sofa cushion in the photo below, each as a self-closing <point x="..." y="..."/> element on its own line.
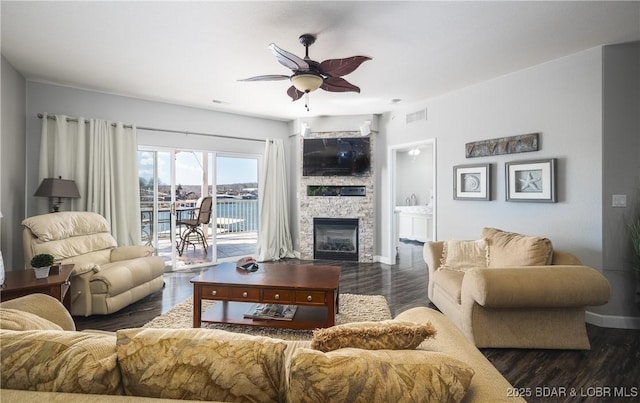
<point x="89" y="261"/>
<point x="59" y="361"/>
<point x="511" y="249"/>
<point x="118" y="277"/>
<point x="65" y="224"/>
<point x="130" y="252"/>
<point x="76" y="246"/>
<point x="385" y="335"/>
<point x="355" y="375"/>
<point x="463" y="255"/>
<point x="201" y="364"/>
<point x="43" y="306"/>
<point x="14" y="319"/>
<point x="450" y="281"/>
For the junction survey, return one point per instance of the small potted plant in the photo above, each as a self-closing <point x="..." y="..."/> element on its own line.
<point x="41" y="264"/>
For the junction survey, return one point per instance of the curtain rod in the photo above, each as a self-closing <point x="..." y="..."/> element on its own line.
<point x="70" y="119"/>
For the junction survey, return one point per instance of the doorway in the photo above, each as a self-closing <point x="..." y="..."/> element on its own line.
<point x="413" y="193"/>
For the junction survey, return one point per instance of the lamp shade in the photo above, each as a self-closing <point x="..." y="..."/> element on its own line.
<point x="57" y="187"/>
<point x="306" y="82"/>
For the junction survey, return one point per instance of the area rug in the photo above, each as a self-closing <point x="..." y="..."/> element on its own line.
<point x="353" y="308"/>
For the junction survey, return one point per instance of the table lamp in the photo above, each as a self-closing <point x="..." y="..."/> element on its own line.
<point x="57" y="188"/>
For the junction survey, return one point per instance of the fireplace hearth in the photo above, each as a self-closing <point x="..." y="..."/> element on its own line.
<point x="335" y="239"/>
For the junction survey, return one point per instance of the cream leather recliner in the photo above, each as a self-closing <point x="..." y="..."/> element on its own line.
<point x="106" y="278"/>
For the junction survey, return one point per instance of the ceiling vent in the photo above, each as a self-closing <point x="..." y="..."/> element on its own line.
<point x="417" y="116"/>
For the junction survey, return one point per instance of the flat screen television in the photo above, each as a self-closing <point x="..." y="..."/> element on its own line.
<point x="336" y="156"/>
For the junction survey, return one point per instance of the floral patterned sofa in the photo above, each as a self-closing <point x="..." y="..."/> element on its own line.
<point x="43" y="358"/>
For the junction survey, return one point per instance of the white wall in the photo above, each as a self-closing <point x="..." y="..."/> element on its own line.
<point x="560" y="99"/>
<point x="12" y="164"/>
<point x="54" y="99"/>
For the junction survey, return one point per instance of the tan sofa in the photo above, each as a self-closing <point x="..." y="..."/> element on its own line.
<point x="191" y="363"/>
<point x="514" y="291"/>
<point x="106" y="278"/>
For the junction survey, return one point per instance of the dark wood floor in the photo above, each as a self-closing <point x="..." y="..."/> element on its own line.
<point x="612" y="366"/>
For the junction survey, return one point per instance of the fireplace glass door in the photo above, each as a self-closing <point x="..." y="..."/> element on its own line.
<point x="335" y="238"/>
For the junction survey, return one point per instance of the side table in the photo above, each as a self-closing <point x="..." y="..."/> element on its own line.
<point x="19" y="283"/>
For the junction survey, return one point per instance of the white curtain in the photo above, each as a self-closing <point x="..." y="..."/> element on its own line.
<point x="101" y="157"/>
<point x="274" y="238"/>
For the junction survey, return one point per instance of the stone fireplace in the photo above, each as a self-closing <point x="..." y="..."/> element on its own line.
<point x="337" y="197"/>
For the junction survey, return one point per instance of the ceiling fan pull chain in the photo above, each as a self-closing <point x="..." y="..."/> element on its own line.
<point x="306" y="101"/>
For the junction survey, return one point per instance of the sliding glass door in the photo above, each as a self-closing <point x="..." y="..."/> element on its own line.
<point x="236" y="206"/>
<point x="175" y="214"/>
<point x="155" y="173"/>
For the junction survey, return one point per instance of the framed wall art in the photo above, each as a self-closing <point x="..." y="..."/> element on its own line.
<point x="472" y="182"/>
<point x="505" y="145"/>
<point x="531" y="181"/>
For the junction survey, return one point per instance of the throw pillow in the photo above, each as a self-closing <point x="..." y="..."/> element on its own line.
<point x="385" y="335"/>
<point x="14" y="319"/>
<point x="354" y="375"/>
<point x="201" y="364"/>
<point x="463" y="255"/>
<point x="59" y="361"/>
<point x="512" y="249"/>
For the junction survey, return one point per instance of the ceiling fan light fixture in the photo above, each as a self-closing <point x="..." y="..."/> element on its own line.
<point x="306" y="82"/>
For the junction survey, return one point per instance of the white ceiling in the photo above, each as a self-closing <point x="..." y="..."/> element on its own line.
<point x="191" y="53"/>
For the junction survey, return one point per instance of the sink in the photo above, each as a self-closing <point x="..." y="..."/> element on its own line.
<point x="419" y="209"/>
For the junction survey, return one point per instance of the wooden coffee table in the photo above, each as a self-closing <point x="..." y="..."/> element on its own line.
<point x="313" y="288"/>
<point x="19" y="283"/>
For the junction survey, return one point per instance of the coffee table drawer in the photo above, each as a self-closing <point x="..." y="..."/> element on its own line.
<point x="280" y="296"/>
<point x="310" y="297"/>
<point x="216" y="292"/>
<point x="245" y="294"/>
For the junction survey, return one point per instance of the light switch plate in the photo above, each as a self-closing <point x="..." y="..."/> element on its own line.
<point x="619" y="201"/>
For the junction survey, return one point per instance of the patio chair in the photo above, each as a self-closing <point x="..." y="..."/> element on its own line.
<point x="193" y="234"/>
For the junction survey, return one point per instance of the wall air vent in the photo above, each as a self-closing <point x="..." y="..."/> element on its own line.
<point x="417" y="116"/>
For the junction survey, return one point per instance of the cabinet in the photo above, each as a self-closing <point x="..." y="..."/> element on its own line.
<point x="414" y="224"/>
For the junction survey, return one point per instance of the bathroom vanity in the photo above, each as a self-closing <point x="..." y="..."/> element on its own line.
<point x="415" y="222"/>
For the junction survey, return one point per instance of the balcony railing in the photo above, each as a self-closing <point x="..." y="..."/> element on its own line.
<point x="235" y="215"/>
<point x="232" y="216"/>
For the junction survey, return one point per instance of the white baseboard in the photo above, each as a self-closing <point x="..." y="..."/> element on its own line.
<point x="384" y="260"/>
<point x="616" y="322"/>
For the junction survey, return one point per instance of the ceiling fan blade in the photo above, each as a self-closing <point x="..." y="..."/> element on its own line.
<point x="272" y="77"/>
<point x="294" y="93"/>
<point x="342" y="67"/>
<point x="287" y="59"/>
<point x="337" y="84"/>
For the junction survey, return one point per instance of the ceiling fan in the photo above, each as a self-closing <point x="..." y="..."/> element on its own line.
<point x="309" y="75"/>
